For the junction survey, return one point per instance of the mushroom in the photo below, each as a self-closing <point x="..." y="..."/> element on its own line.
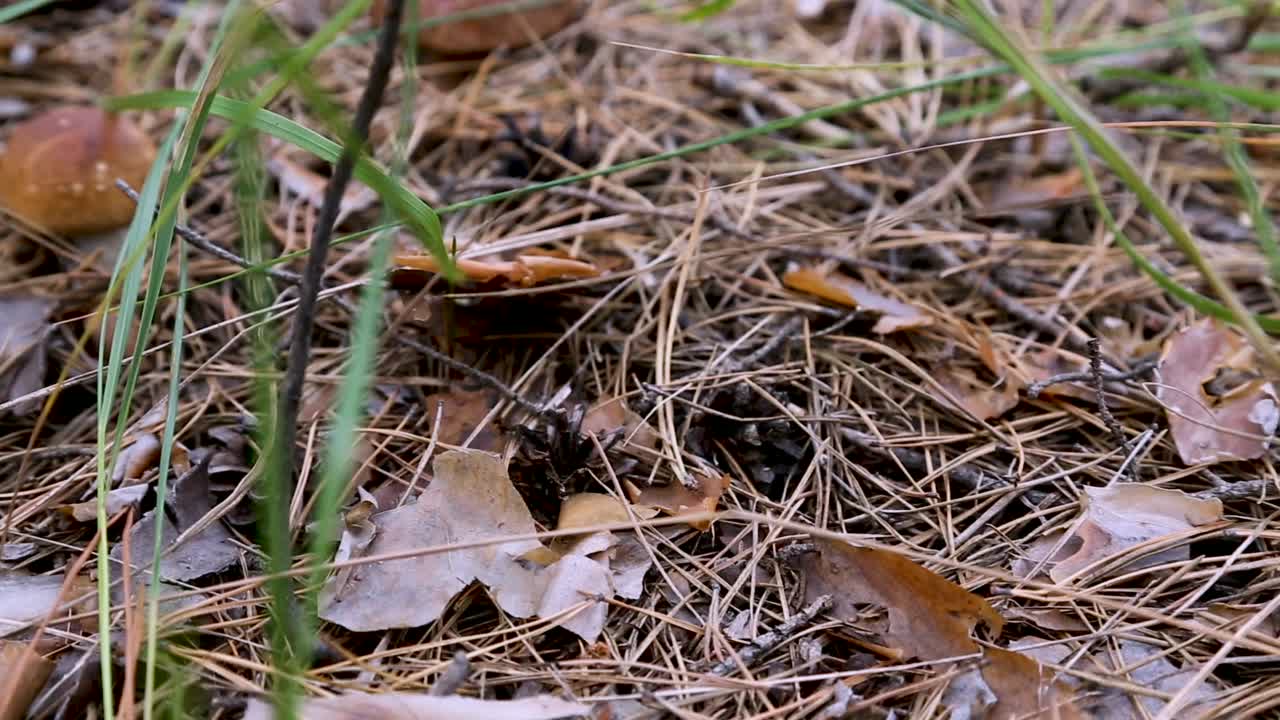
<point x="59" y="169"/>
<point x="506" y="28"/>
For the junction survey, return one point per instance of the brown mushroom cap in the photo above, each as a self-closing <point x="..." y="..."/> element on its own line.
<point x="59" y="169"/>
<point x="484" y="34"/>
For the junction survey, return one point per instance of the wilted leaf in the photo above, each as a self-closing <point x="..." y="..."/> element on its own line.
<point x="1237" y="425"/>
<point x="679" y="499"/>
<point x="1040" y="365"/>
<point x="208" y="551"/>
<point x="406" y="706"/>
<point x="470" y="497"/>
<point x="462" y="413"/>
<point x="310" y="186"/>
<point x="1014" y="193"/>
<point x="613" y="415"/>
<point x="524" y="271"/>
<point x="894" y="314"/>
<point x="24" y="329"/>
<point x="930" y="617"/>
<point x="977" y="398"/>
<point x="117" y="500"/>
<point x="24" y="674"/>
<point x="27" y="598"/>
<point x="1120" y="517"/>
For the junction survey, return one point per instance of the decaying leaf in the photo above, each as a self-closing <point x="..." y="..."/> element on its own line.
<point x="208" y="551"/>
<point x="25" y="599"/>
<point x="461" y="414"/>
<point x="1147" y="667"/>
<point x="407" y="706"/>
<point x="613" y="415"/>
<point x="117" y="500"/>
<point x="24" y="329"/>
<point x="894" y="314"/>
<point x="977" y="398"/>
<point x="679" y="499"/>
<point x="525" y="270"/>
<point x="1118" y="518"/>
<point x="1206" y="428"/>
<point x="310" y="186"/>
<point x="1040" y="365"/>
<point x="24" y="673"/>
<point x="471" y="497"/>
<point x="931" y="618"/>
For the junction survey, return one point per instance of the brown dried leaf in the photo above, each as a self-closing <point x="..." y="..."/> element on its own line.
<point x="470" y="497"/>
<point x="31" y="671"/>
<point x="679" y="499"/>
<point x="895" y="315"/>
<point x="1208" y="429"/>
<point x="613" y="415"/>
<point x="1021" y="193"/>
<point x="978" y="398"/>
<point x="117" y="500"/>
<point x="930" y="617"/>
<point x="1043" y="364"/>
<point x="1025" y="688"/>
<point x="24" y="329"/>
<point x="310" y="186"/>
<point x="463" y="412"/>
<point x="1120" y="517"/>
<point x="209" y="551"/>
<point x="412" y="706"/>
<point x="525" y="271"/>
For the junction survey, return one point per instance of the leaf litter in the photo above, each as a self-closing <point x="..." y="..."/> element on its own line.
<point x="665" y="302"/>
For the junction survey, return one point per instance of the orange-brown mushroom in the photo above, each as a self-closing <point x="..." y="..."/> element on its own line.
<point x="509" y="28"/>
<point x="59" y="169"/>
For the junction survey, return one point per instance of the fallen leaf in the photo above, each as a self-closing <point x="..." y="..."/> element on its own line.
<point x="679" y="499"/>
<point x="930" y="617"/>
<point x="524" y="271"/>
<point x="25" y="599"/>
<point x="977" y="398"/>
<point x="470" y="497"/>
<point x="74" y="684"/>
<point x="24" y="330"/>
<point x="613" y="415"/>
<point x="1149" y="669"/>
<point x="462" y="413"/>
<point x="1014" y="193"/>
<point x="1118" y="518"/>
<point x="1205" y="428"/>
<point x="894" y="314"/>
<point x="407" y="706"/>
<point x="1040" y="365"/>
<point x="117" y="500"/>
<point x="13" y="552"/>
<point x="209" y="551"/>
<point x="310" y="186"/>
<point x="24" y="673"/>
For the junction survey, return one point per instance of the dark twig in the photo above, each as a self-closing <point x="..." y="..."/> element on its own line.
<point x="195" y="238"/>
<point x="1095" y="374"/>
<point x="1142" y="368"/>
<point x="275" y="508"/>
<point x="770" y="640"/>
<point x="453" y="676"/>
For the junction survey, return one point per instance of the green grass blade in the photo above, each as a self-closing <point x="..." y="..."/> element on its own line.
<point x="13" y="12"/>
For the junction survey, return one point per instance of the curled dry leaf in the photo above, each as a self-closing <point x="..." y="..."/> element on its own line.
<point x="411" y="706"/>
<point x="25" y="673"/>
<point x="513" y="27"/>
<point x="117" y="500"/>
<point x="310" y="186"/>
<point x="932" y="618"/>
<point x="894" y="314"/>
<point x="470" y="498"/>
<point x="1237" y="425"/>
<point x="524" y="271"/>
<point x="24" y="330"/>
<point x="208" y="551"/>
<point x="612" y="416"/>
<point x="1118" y="518"/>
<point x="680" y="499"/>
